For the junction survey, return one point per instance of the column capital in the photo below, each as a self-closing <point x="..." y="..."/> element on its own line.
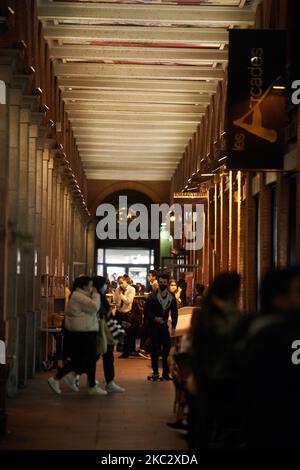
<point x="21" y="80"/>
<point x="30" y="100"/>
<point x="33" y="131"/>
<point x="14" y="95"/>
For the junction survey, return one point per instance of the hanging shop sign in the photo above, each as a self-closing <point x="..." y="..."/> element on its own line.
<point x="256" y="99"/>
<point x="202" y="193"/>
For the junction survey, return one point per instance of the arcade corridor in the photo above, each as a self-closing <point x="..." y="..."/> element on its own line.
<point x="136" y="419"/>
<point x="112" y="111"/>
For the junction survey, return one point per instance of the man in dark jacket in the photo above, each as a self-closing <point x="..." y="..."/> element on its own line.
<point x="157" y="309"/>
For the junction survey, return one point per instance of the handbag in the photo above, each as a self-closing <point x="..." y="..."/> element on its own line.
<point x="116" y="330"/>
<point x="101" y="341"/>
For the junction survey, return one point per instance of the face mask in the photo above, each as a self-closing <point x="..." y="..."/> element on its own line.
<point x="162" y="287"/>
<point x="103" y="288"/>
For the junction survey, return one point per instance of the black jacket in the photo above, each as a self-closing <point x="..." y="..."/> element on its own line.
<point x="153" y="308"/>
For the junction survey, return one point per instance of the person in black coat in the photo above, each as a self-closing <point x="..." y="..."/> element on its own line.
<point x="157" y="308"/>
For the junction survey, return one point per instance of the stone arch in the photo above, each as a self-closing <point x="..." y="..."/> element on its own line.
<point x="118" y="186"/>
<point x="2" y="92"/>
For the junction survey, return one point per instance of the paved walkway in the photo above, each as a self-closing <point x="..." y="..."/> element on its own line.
<point x="39" y="419"/>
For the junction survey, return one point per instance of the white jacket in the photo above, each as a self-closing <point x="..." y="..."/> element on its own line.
<point x="81" y="312"/>
<point x="124" y="299"/>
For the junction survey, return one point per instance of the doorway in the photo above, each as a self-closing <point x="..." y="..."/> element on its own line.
<point x="114" y="262"/>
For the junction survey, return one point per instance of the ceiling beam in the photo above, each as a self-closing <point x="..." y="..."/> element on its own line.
<point x="135" y="97"/>
<point x="133" y="145"/>
<point x="137" y="108"/>
<point x="134" y="152"/>
<point x="136" y="118"/>
<point x="112" y="139"/>
<point x="130" y="158"/>
<point x="164" y="128"/>
<point x="138" y="176"/>
<point x="187" y="36"/>
<point x="134" y="166"/>
<point x="179" y="72"/>
<point x="143" y="54"/>
<point x="135" y="14"/>
<point x="149" y="85"/>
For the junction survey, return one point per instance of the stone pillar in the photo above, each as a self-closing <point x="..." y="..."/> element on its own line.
<point x="4" y="159"/>
<point x="38" y="252"/>
<point x="30" y="249"/>
<point x="14" y="99"/>
<point x="22" y="256"/>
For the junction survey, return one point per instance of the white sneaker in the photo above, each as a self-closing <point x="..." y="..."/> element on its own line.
<point x="112" y="387"/>
<point x="54" y="385"/>
<point x="71" y="381"/>
<point x="97" y="391"/>
<point x="96" y="382"/>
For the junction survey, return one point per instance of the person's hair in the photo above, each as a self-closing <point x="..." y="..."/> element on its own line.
<point x="276" y="282"/>
<point x="98" y="282"/>
<point x="127" y="279"/>
<point x="172" y="281"/>
<point x="200" y="288"/>
<point x="182" y="283"/>
<point x="80" y="282"/>
<point x="122" y="277"/>
<point x="163" y="276"/>
<point x="224" y="286"/>
<point x="154" y="273"/>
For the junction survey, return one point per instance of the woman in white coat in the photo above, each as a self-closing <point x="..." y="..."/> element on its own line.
<point x="82" y="325"/>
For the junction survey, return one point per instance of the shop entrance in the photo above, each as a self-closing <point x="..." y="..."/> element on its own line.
<point x="136" y="262"/>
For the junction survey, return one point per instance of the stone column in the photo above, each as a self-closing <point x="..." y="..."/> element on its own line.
<point x="12" y="325"/>
<point x="22" y="254"/>
<point x="90" y="246"/>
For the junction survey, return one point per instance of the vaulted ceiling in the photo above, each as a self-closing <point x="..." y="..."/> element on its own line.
<point x="136" y="76"/>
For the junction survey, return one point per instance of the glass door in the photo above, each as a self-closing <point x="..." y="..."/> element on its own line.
<point x="113" y="272"/>
<point x="138" y="274"/>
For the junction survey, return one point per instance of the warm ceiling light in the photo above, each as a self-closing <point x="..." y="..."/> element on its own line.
<point x="278" y="87"/>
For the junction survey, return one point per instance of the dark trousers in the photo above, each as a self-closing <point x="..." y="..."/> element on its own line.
<point x="144" y="344"/>
<point x="108" y="364"/>
<point x="130" y="339"/>
<point x="131" y="333"/>
<point x="160" y="342"/>
<point x="81" y="356"/>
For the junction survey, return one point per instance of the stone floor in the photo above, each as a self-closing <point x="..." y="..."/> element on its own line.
<point x="40" y="419"/>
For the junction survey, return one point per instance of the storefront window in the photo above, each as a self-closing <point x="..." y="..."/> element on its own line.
<point x="113" y="262"/>
<point x="292" y="221"/>
<point x="273" y="225"/>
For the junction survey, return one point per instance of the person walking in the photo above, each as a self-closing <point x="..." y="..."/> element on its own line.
<point x="100" y="283"/>
<point x="157" y="308"/>
<point x="212" y="382"/>
<point x="123" y="298"/>
<point x="145" y="340"/>
<point x="82" y="325"/>
<point x="199" y="291"/>
<point x="176" y="291"/>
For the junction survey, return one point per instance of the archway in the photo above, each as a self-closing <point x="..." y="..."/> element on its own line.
<point x="123" y="251"/>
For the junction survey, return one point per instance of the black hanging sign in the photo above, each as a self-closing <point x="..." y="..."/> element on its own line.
<point x="256" y="99"/>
